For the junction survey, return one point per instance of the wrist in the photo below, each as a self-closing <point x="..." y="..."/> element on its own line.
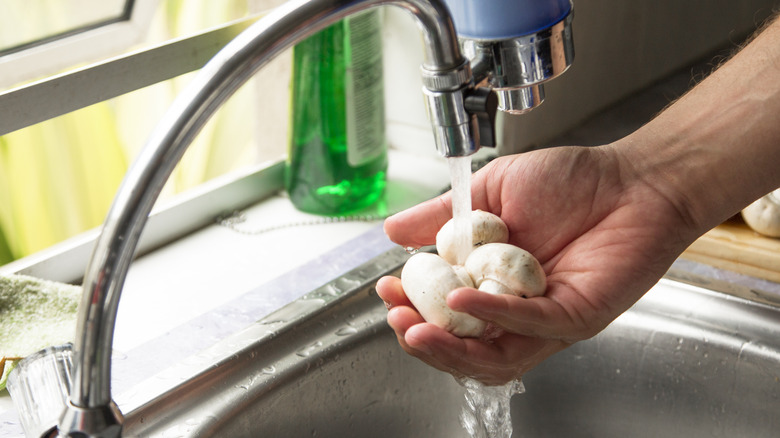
<point x="717" y="148"/>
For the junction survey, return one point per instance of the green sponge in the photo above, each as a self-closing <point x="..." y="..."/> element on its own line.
<point x="34" y="314"/>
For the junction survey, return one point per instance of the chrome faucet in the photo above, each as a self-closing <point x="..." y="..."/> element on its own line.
<point x="515" y="46"/>
<point x="460" y="114"/>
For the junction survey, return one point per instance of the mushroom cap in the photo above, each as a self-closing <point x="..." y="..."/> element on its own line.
<point x="427" y="279"/>
<point x="486" y="228"/>
<point x="513" y="267"/>
<point x="763" y="215"/>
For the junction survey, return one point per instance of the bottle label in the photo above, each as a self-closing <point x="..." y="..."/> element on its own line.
<point x="364" y="89"/>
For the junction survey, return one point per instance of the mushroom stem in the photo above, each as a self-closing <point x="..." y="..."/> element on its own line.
<point x="494" y="287"/>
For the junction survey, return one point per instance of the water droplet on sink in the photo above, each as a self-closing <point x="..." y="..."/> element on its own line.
<point x="346" y="331"/>
<point x="331" y="289"/>
<point x="269" y="370"/>
<point x="411" y="250"/>
<point x="273" y="321"/>
<point x="307" y="351"/>
<point x="346" y="283"/>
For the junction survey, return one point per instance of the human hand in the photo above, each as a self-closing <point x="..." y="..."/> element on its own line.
<point x="602" y="233"/>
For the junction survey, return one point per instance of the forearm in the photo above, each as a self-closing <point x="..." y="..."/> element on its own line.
<point x="717" y="148"/>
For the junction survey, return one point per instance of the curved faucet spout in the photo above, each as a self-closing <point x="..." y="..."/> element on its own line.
<point x="446" y="75"/>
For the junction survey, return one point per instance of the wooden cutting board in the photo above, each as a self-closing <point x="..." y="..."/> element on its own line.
<point x="735" y="247"/>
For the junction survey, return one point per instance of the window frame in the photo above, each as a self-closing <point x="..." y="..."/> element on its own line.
<point x="53" y="54"/>
<point x="61" y="94"/>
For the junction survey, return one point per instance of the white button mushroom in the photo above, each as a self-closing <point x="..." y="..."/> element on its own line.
<point x="427" y="279"/>
<point x="486" y="228"/>
<point x="501" y="268"/>
<point x="763" y="216"/>
<point x="494" y="266"/>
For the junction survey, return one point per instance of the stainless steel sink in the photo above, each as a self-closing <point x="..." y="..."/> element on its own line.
<point x="684" y="362"/>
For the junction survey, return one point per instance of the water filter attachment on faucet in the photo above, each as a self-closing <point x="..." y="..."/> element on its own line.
<point x="516" y="45"/>
<point x="504" y="19"/>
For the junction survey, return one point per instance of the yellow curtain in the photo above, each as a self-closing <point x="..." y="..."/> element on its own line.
<point x="58" y="178"/>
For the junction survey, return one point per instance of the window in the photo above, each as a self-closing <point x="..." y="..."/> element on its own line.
<point x="27" y="23"/>
<point x="42" y="37"/>
<point x="58" y="175"/>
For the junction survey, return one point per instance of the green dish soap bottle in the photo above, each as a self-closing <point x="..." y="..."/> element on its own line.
<point x="337" y="157"/>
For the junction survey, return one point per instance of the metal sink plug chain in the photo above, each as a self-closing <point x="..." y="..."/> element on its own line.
<point x="235" y="219"/>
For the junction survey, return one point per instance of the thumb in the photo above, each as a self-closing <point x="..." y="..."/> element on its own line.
<point x="418" y="225"/>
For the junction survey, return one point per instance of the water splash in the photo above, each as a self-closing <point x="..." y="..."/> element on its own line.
<point x="487" y="410"/>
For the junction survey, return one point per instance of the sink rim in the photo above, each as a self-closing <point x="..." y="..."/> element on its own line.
<point x="696" y="308"/>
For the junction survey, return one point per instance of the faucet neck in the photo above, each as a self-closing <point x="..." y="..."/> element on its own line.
<point x="216" y="82"/>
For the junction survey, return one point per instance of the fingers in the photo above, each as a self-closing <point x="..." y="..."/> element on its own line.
<point x="401" y="314"/>
<point x="417" y="226"/>
<point x="499" y="361"/>
<point x="391" y="292"/>
<point x="446" y="352"/>
<point x="407" y="325"/>
<point x="414" y="335"/>
<point x="495" y="362"/>
<point x="540" y="317"/>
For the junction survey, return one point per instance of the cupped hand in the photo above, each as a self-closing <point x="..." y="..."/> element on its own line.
<point x="602" y="231"/>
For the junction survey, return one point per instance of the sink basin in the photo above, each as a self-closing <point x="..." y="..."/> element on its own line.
<point x="683" y="362"/>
